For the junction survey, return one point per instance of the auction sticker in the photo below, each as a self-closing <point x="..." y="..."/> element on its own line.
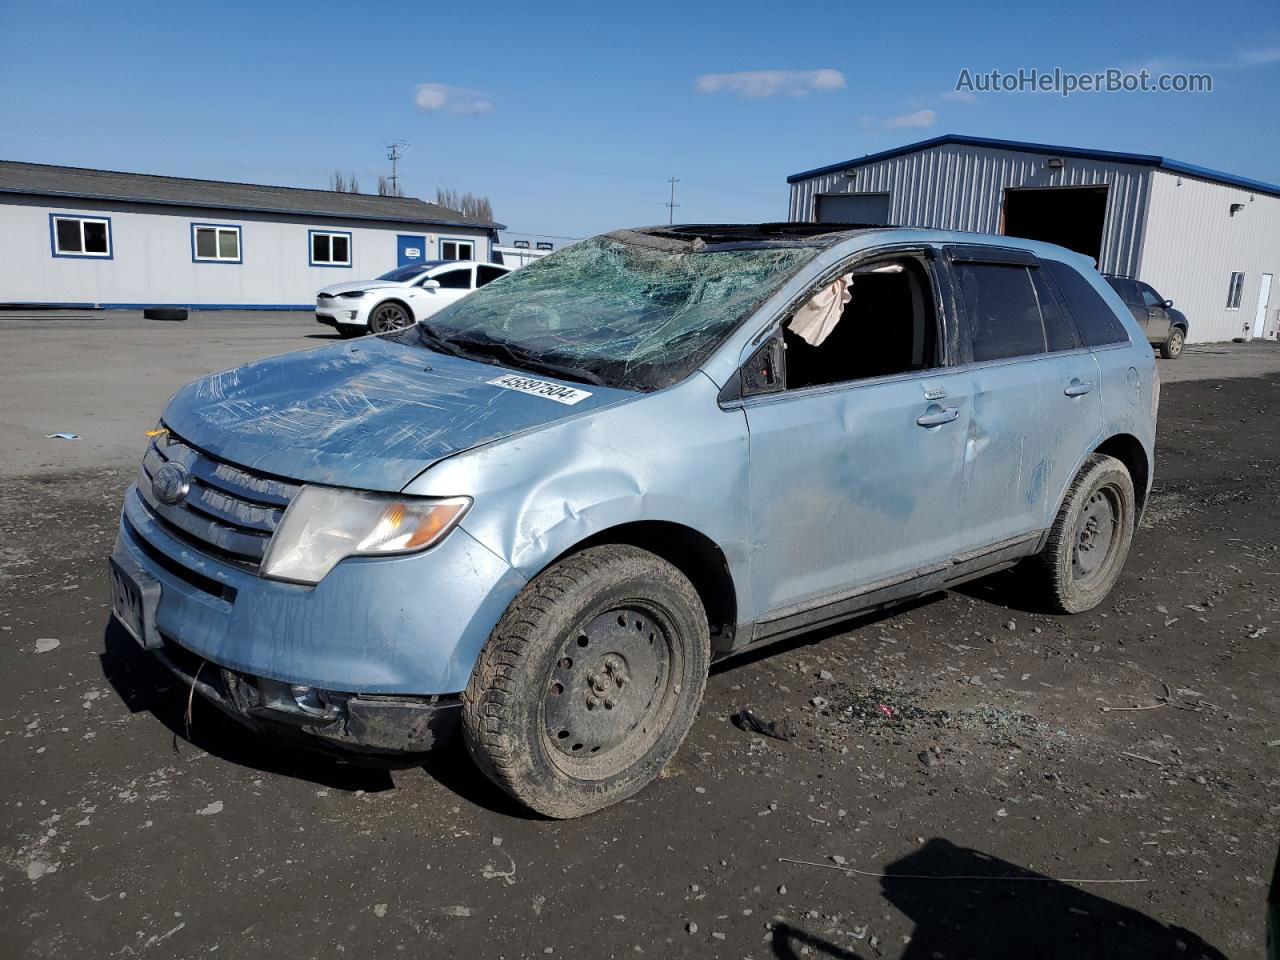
<point x="541" y="388"/>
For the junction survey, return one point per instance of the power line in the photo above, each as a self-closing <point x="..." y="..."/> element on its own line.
<point x="671" y="204"/>
<point x="395" y="150"/>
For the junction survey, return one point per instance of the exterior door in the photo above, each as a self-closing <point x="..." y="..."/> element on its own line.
<point x="410" y="250"/>
<point x="1037" y="402"/>
<point x="1264" y="301"/>
<point x="850" y="484"/>
<point x="1155" y="318"/>
<point x="453" y="285"/>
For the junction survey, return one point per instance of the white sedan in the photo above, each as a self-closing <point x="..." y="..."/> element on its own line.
<point x="401" y="297"/>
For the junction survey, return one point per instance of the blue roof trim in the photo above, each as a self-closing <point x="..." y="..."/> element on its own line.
<point x="1114" y="156"/>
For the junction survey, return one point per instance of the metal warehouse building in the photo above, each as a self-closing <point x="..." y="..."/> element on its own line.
<point x="1209" y="241"/>
<point x="94" y="238"/>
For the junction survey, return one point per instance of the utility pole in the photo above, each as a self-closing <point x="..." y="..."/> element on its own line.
<point x="671" y="204"/>
<point x="395" y="150"/>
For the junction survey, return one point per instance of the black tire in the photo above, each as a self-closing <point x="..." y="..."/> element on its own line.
<point x="1171" y="349"/>
<point x="388" y="316"/>
<point x="165" y="313"/>
<point x="597" y="626"/>
<point x="1090" y="537"/>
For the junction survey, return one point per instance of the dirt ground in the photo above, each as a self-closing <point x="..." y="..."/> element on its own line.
<point x="1119" y="771"/>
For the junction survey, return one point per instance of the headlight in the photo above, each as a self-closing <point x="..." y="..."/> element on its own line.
<point x="353" y="294"/>
<point x="324" y="525"/>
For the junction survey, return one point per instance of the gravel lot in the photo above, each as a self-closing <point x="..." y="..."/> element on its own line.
<point x="964" y="736"/>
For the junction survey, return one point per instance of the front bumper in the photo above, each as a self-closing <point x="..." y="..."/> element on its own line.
<point x="337" y="724"/>
<point x="406" y="625"/>
<point x="330" y="314"/>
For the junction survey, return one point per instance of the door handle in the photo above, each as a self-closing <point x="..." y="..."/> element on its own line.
<point x="938" y="417"/>
<point x="1078" y="388"/>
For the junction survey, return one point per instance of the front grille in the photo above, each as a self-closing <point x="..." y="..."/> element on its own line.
<point x="228" y="512"/>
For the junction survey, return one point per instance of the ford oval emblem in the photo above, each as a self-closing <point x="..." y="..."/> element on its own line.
<point x="171" y="483"/>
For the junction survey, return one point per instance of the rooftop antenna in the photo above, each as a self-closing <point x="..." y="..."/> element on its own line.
<point x="395" y="150"/>
<point x="671" y="204"/>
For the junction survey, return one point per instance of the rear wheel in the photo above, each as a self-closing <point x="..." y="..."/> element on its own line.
<point x="1090" y="537"/>
<point x="590" y="681"/>
<point x="389" y="316"/>
<point x="1171" y="349"/>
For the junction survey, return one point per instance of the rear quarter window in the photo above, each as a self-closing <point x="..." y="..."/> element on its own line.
<point x="1095" y="320"/>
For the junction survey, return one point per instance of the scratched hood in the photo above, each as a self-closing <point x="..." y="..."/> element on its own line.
<point x="370" y="414"/>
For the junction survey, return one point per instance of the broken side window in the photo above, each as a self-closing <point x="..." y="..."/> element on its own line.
<point x="877" y="321"/>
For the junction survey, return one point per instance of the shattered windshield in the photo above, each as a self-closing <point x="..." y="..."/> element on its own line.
<point x="626" y="314"/>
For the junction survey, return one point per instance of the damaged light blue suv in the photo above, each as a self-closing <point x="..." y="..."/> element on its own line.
<point x="545" y="511"/>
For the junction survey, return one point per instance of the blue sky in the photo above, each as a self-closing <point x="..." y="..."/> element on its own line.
<point x="571" y="116"/>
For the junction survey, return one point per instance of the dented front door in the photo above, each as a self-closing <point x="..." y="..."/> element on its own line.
<point x="854" y="483"/>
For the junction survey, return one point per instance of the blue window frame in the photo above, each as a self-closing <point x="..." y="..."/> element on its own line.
<point x="457" y="248"/>
<point x="329" y="248"/>
<point x="81" y="236"/>
<point x="216" y="243"/>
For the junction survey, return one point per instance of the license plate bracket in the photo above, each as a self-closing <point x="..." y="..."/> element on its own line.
<point x="135" y="597"/>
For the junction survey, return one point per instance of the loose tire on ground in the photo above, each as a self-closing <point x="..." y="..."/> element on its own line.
<point x="1090" y="537"/>
<point x="165" y="313"/>
<point x="1171" y="349"/>
<point x="589" y="682"/>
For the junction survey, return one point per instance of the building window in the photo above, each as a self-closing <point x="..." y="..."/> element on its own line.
<point x="1235" y="291"/>
<point x="73" y="236"/>
<point x="330" y="249"/>
<point x="215" y="243"/>
<point x="457" y="250"/>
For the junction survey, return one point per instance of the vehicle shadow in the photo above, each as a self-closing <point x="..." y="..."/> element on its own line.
<point x="818" y="635"/>
<point x="1023" y="914"/>
<point x="144" y="685"/>
<point x="1011" y="588"/>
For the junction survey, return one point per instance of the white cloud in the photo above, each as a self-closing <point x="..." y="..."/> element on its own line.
<point x="759" y="84"/>
<point x="960" y="96"/>
<point x="431" y="97"/>
<point x="920" y="118"/>
<point x="1259" y="56"/>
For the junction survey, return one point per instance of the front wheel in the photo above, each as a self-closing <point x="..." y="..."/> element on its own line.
<point x="1171" y="349"/>
<point x="1090" y="537"/>
<point x="589" y="682"/>
<point x="389" y="316"/>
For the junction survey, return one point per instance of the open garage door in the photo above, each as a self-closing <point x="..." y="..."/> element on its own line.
<point x="1071" y="217"/>
<point x="868" y="208"/>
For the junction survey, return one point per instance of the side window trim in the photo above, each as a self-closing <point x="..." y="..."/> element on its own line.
<point x="928" y="254"/>
<point x="944" y="300"/>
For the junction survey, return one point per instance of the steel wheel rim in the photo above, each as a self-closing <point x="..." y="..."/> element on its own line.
<point x="1097" y="536"/>
<point x="388" y="317"/>
<point x="608" y="700"/>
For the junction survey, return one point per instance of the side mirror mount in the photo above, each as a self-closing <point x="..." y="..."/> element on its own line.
<point x="761" y="374"/>
<point x="1168" y="304"/>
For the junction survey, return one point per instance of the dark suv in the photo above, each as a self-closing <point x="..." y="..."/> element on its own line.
<point x="1164" y="326"/>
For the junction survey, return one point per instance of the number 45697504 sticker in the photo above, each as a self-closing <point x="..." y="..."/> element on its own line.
<point x="541" y="388"/>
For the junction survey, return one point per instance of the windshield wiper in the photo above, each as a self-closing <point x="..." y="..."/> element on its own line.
<point x="436" y="342"/>
<point x="525" y="359"/>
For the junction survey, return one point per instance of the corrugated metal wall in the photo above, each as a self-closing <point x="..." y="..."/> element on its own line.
<point x="1194" y="243"/>
<point x="957" y="187"/>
